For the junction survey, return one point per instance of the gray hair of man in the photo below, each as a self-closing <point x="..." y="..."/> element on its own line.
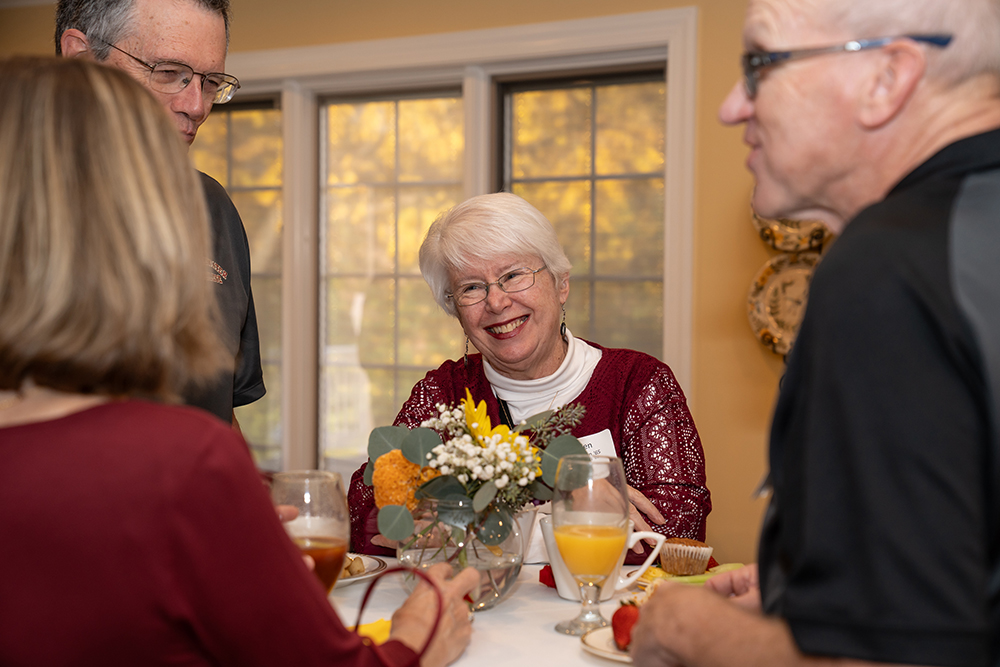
<point x="106" y="22"/>
<point x="481" y="229"/>
<point x="973" y="24"/>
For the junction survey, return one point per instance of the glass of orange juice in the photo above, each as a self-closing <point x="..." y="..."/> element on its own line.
<point x="321" y="527"/>
<point x="590" y="525"/>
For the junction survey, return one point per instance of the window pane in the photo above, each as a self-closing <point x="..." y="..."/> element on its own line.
<point x="345" y="401"/>
<point x="256" y="141"/>
<point x="578" y="305"/>
<point x="607" y="207"/>
<point x="430" y="140"/>
<point x="343" y="317"/>
<point x="631" y="121"/>
<point x="567" y="206"/>
<point x="431" y="335"/>
<point x="360" y="230"/>
<point x="208" y="152"/>
<point x="382" y="194"/>
<point x="361" y="142"/>
<point x="261" y="421"/>
<point x="261" y="212"/>
<point x="242" y="149"/>
<point x="383" y="392"/>
<point x="267" y="300"/>
<point x="550" y="132"/>
<point x="378" y="323"/>
<point x="418" y="208"/>
<point x="629" y="222"/>
<point x="631" y="315"/>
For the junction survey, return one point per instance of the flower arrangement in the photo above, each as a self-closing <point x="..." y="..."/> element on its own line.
<point x="490" y="472"/>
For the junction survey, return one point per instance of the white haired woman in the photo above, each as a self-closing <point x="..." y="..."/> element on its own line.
<point x="494" y="262"/>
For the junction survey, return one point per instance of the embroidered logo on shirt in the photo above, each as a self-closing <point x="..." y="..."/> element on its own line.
<point x="217" y="274"/>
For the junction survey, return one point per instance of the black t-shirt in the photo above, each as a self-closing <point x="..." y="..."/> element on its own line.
<point x="229" y="270"/>
<point x="881" y="541"/>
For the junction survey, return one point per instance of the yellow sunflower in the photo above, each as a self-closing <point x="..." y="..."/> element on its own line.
<point x="479" y="422"/>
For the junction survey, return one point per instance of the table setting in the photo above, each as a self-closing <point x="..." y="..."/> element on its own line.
<point x="518" y="631"/>
<point x="545" y="524"/>
<point x="520" y="622"/>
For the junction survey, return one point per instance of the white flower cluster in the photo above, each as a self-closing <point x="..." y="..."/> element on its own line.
<point x="504" y="460"/>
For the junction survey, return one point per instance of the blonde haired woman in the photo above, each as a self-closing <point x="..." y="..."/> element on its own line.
<point x="135" y="531"/>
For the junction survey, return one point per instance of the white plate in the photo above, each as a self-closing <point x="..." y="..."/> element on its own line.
<point x="373" y="565"/>
<point x="601" y="642"/>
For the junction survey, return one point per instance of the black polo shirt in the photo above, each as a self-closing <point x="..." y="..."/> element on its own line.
<point x="229" y="271"/>
<point x="881" y="541"/>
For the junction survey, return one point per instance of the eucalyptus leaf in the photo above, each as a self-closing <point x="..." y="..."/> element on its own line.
<point x="440" y="487"/>
<point x="384" y="439"/>
<point x="456" y="512"/>
<point x="533" y="422"/>
<point x="395" y="522"/>
<point x="369" y="471"/>
<point x="539" y="491"/>
<point x="484" y="496"/>
<point x="418" y="443"/>
<point x="562" y="446"/>
<point x="497" y="526"/>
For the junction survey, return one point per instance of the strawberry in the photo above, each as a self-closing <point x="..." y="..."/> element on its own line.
<point x="622" y="621"/>
<point x="546" y="577"/>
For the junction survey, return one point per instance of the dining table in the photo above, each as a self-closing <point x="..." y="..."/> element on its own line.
<point x="519" y="631"/>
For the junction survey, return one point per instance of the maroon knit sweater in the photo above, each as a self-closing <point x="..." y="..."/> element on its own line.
<point x="632" y="394"/>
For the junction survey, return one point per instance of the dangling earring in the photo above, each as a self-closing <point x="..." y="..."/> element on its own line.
<point x="562" y="327"/>
<point x="466" y="351"/>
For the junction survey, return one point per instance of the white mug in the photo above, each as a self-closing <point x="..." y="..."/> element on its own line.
<point x="565" y="583"/>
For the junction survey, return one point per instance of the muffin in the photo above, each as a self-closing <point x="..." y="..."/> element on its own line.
<point x="682" y="556"/>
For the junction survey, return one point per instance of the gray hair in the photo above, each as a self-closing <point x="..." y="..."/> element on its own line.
<point x="974" y="25"/>
<point x="106" y="22"/>
<point x="480" y="229"/>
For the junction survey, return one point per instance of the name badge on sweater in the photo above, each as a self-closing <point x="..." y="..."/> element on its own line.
<point x="599" y="444"/>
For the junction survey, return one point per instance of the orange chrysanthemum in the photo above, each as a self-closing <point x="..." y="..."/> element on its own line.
<point x="395" y="480"/>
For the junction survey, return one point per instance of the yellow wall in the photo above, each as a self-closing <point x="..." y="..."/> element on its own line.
<point x="734" y="378"/>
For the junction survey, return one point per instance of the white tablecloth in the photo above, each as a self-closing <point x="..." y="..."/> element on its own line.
<point x="518" y="632"/>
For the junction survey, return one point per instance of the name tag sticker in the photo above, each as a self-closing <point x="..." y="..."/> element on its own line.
<point x="599" y="444"/>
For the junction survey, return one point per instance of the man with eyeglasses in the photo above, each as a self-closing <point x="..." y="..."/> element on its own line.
<point x="177" y="50"/>
<point x="881" y="544"/>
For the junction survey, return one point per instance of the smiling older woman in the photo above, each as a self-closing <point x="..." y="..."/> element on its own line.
<point x="494" y="263"/>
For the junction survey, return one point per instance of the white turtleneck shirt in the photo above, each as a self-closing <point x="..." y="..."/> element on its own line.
<point x="529" y="397"/>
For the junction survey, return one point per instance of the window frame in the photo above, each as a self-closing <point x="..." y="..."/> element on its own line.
<point x="475" y="60"/>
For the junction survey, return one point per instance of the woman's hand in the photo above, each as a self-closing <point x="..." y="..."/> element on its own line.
<point x="640" y="503"/>
<point x="412" y="622"/>
<point x="380" y="541"/>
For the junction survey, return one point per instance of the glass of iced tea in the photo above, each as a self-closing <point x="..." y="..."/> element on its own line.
<point x="321" y="527"/>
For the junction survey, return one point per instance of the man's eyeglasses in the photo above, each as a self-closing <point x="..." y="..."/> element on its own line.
<point x="171" y="78"/>
<point x="755" y="61"/>
<point x="517" y="280"/>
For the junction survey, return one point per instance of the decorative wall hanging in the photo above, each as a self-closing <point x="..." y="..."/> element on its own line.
<point x="792" y="235"/>
<point x="778" y="294"/>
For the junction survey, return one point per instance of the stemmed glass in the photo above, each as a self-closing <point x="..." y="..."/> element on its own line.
<point x="321" y="527"/>
<point x="590" y="524"/>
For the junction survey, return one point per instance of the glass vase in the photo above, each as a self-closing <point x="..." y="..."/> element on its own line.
<point x="449" y="531"/>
